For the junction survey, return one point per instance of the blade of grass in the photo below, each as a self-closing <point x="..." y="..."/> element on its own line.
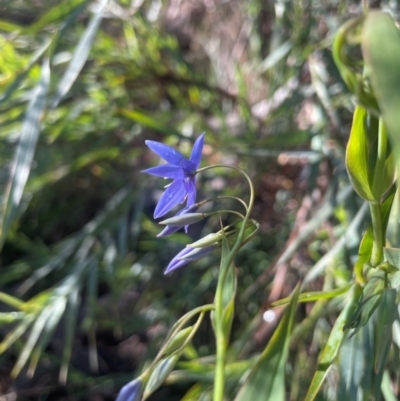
<point x="266" y="381"/>
<point x="25" y="151"/>
<point x="79" y="57"/>
<point x="70" y="323"/>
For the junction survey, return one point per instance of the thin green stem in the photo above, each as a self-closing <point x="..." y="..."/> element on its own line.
<point x="377" y="247"/>
<point x="221" y="337"/>
<point x="380" y="159"/>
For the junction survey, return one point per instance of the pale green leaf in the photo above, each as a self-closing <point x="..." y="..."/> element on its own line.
<point x="266" y="381"/>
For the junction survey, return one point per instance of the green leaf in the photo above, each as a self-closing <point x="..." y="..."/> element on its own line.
<point x="381" y="52"/>
<point x="358" y="153"/>
<point x="34" y="335"/>
<point x="25" y="151"/>
<point x="369" y="301"/>
<point x="80" y="56"/>
<point x="331" y="349"/>
<point x="57" y="310"/>
<point x="55" y="14"/>
<point x="70" y="323"/>
<point x="385" y="316"/>
<point x="392" y="255"/>
<point x="147" y="121"/>
<point x="266" y="381"/>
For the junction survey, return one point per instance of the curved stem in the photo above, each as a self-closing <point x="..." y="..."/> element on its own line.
<point x="221" y="337"/>
<point x="221" y="197"/>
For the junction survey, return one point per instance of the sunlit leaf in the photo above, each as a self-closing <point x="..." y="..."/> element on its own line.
<point x="381" y="51"/>
<point x="267" y="379"/>
<point x="331" y="349"/>
<point x="25" y="151"/>
<point x="80" y="56"/>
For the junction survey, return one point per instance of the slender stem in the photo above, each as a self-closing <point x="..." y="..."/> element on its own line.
<point x="175" y="329"/>
<point x="380" y="160"/>
<point x="221" y="337"/>
<point x="377" y="247"/>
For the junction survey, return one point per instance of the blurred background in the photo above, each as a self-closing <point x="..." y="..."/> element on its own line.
<point x="84" y="302"/>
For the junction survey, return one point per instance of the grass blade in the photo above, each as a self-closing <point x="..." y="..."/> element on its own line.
<point x="329" y="353"/>
<point x="25" y="151"/>
<point x="267" y="379"/>
<point x="80" y="56"/>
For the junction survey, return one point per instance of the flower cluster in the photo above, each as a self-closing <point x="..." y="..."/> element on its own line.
<point x="183" y="188"/>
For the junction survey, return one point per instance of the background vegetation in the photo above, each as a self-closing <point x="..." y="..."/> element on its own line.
<point x="84" y="302"/>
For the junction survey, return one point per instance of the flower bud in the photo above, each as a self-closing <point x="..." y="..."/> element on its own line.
<point x="184" y="219"/>
<point x="208" y="240"/>
<point x="131" y="391"/>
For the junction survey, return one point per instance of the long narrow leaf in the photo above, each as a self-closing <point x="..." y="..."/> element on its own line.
<point x="267" y="379"/>
<point x="329" y="353"/>
<point x="25" y="151"/>
<point x="72" y="313"/>
<point x="80" y="56"/>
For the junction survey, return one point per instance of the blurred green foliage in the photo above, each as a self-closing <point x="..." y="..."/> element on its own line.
<point x="82" y="85"/>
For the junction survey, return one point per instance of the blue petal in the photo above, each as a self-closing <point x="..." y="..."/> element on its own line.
<point x="169" y="154"/>
<point x="197" y="253"/>
<point x="191" y="191"/>
<point x="197" y="151"/>
<point x="166" y="171"/>
<point x="176" y="263"/>
<point x="174" y="194"/>
<point x="168" y="230"/>
<point x="131" y="391"/>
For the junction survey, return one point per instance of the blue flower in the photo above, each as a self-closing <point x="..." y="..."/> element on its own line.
<point x="131" y="391"/>
<point x="187" y="255"/>
<point x="181" y="170"/>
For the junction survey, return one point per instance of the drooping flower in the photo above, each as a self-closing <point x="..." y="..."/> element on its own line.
<point x="187" y="255"/>
<point x="181" y="170"/>
<point x="131" y="391"/>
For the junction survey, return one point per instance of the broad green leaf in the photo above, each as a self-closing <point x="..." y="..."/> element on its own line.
<point x="394" y="279"/>
<point x="266" y="381"/>
<point x="385" y="316"/>
<point x="80" y="56"/>
<point x="25" y="151"/>
<point x="358" y="153"/>
<point x="381" y="52"/>
<point x="159" y="374"/>
<point x="350" y="367"/>
<point x="369" y="301"/>
<point x="331" y="349"/>
<point x="392" y="255"/>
